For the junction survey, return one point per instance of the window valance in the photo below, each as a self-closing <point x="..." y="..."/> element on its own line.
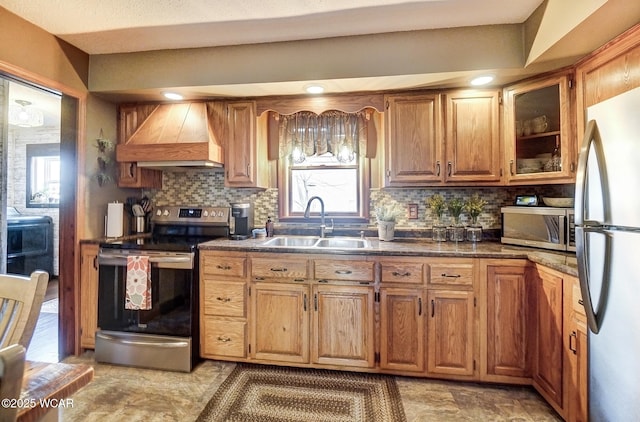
<point x="332" y="133"/>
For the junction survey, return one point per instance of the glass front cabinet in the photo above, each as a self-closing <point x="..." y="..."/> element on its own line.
<point x="538" y="137"/>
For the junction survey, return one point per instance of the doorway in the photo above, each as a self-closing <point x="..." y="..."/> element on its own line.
<point x="31" y="165"/>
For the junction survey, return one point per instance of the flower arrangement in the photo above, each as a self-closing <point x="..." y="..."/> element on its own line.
<point x="389" y="212"/>
<point x="473" y="206"/>
<point x="455" y="207"/>
<point x="438" y="205"/>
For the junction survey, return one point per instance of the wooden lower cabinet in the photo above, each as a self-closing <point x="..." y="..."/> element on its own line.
<point x="321" y="324"/>
<point x="488" y="319"/>
<point x="507" y="321"/>
<point x="402" y="329"/>
<point x="223" y="305"/>
<point x="575" y="336"/>
<point x="280" y="322"/>
<point x="548" y="368"/>
<point x="88" y="294"/>
<point x="343" y="325"/>
<point x="451" y="333"/>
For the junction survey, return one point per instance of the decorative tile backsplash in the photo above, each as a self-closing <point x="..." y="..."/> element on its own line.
<point x="198" y="188"/>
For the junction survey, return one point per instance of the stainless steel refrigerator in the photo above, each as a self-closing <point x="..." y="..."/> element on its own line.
<point x="607" y="217"/>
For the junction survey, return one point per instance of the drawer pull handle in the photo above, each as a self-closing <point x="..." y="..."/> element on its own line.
<point x="224" y="339"/>
<point x="433" y="308"/>
<point x="343" y="272"/>
<point x="451" y="276"/>
<point x="573" y="336"/>
<point x="299" y="280"/>
<point x="259" y="278"/>
<point x="581" y="302"/>
<point x="223" y="267"/>
<point x="304" y="302"/>
<point x="399" y="274"/>
<point x="278" y="270"/>
<point x="223" y="299"/>
<point x="323" y="281"/>
<point x="419" y="306"/>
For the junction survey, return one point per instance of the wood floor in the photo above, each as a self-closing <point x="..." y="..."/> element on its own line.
<point x="44" y="344"/>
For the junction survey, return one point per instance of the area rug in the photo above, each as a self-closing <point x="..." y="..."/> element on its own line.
<point x="257" y="393"/>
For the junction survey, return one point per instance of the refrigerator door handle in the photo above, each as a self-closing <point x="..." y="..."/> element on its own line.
<point x="591" y="139"/>
<point x="594" y="318"/>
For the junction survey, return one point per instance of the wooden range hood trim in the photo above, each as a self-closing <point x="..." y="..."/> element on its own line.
<point x="175" y="132"/>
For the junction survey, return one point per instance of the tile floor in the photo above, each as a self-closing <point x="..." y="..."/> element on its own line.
<point x="118" y="393"/>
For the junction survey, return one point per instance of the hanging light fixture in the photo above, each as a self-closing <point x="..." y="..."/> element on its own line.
<point x="22" y="115"/>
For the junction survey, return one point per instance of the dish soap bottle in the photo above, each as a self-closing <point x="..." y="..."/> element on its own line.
<point x="269" y="227"/>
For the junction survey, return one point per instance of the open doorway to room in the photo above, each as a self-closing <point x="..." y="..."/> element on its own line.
<point x="32" y="199"/>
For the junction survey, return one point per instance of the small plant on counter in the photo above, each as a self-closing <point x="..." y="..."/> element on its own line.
<point x="455" y="207"/>
<point x="474" y="207"/>
<point x="438" y="207"/>
<point x="389" y="213"/>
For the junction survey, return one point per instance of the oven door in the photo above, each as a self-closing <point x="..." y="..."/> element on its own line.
<point x="172" y="294"/>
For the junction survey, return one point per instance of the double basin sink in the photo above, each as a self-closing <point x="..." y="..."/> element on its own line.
<point x="317" y="242"/>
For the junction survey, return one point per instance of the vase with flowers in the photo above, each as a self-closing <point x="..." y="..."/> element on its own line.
<point x="438" y="206"/>
<point x="387" y="216"/>
<point x="455" y="206"/>
<point x="474" y="206"/>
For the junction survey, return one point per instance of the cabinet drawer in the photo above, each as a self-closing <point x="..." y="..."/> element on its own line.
<point x="221" y="337"/>
<point x="343" y="270"/>
<point x="224" y="266"/>
<point x="401" y="272"/>
<point x="224" y="299"/>
<point x="448" y="273"/>
<point x="270" y="268"/>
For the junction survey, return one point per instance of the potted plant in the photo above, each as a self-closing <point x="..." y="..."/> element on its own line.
<point x="474" y="206"/>
<point x="438" y="207"/>
<point x="387" y="216"/>
<point x="455" y="207"/>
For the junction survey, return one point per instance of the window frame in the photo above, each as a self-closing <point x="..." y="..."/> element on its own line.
<point x="285" y="197"/>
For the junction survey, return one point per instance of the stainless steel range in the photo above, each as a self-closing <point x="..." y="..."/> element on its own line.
<point x="165" y="334"/>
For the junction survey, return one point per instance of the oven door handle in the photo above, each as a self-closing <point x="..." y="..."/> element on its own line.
<point x="168" y="345"/>
<point x="181" y="262"/>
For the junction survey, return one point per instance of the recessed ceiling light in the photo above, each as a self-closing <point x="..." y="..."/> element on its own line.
<point x="482" y="80"/>
<point x="314" y="89"/>
<point x="172" y="96"/>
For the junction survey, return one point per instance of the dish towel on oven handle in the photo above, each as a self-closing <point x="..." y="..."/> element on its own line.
<point x="138" y="284"/>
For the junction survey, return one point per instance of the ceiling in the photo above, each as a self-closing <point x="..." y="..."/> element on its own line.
<point x="556" y="33"/>
<point x="105" y="27"/>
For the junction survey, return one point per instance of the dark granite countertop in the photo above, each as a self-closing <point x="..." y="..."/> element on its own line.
<point x="560" y="261"/>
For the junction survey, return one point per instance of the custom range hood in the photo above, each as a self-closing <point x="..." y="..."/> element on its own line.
<point x="177" y="135"/>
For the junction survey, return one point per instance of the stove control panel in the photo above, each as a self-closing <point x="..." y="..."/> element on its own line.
<point x="191" y="215"/>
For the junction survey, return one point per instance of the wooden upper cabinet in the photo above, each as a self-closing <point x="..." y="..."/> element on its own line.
<point x="538" y="136"/>
<point x="417" y="152"/>
<point x="472" y="136"/>
<point x="129" y="174"/>
<point x="413" y="140"/>
<point x="245" y="146"/>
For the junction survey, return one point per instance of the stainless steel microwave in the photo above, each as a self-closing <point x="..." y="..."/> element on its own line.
<point x="540" y="227"/>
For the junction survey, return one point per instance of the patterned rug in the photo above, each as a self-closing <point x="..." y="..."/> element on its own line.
<point x="257" y="393"/>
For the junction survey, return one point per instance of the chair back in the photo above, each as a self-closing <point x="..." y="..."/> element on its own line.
<point x="11" y="373"/>
<point x="20" y="301"/>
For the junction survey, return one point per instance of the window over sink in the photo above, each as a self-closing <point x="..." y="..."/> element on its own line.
<point x="324" y="155"/>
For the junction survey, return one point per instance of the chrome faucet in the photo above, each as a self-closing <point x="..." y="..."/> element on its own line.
<point x="323" y="228"/>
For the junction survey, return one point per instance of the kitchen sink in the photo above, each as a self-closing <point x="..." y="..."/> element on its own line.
<point x="316" y="242"/>
<point x="341" y="243"/>
<point x="292" y="242"/>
